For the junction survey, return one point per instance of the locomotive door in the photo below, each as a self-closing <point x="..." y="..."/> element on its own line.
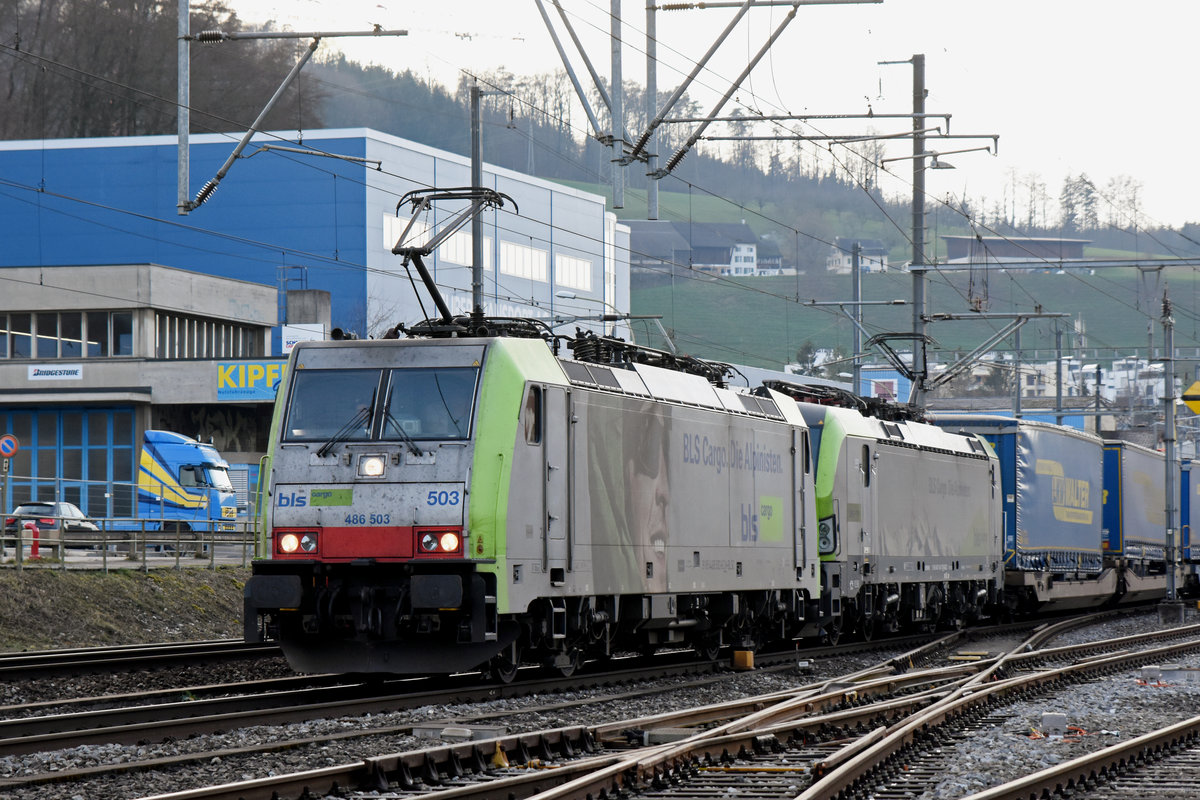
<point x="800" y="481"/>
<point x="556" y="534"/>
<point x="867" y="518"/>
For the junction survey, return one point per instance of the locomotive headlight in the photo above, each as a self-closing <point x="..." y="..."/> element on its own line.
<point x="371" y="466"/>
<point x="440" y="542"/>
<point x="298" y="543"/>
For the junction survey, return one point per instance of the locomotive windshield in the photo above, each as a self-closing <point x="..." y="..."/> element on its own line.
<point x="329" y="402"/>
<point x="425" y="403"/>
<point x="381" y="404"/>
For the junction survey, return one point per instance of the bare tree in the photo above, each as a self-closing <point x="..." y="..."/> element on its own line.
<point x="1123" y="195"/>
<point x="79" y="68"/>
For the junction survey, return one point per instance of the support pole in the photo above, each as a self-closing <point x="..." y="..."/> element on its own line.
<point x="183" y="109"/>
<point x="476" y="219"/>
<point x="917" y="267"/>
<point x="1058" y="393"/>
<point x="1171" y="610"/>
<point x="856" y="285"/>
<point x="1017" y="374"/>
<point x="651" y="106"/>
<point x="617" y="111"/>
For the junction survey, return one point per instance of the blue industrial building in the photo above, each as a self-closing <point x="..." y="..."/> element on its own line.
<point x="119" y="314"/>
<point x="287" y="216"/>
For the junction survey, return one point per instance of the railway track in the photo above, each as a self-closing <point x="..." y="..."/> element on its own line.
<point x="134" y="718"/>
<point x="874" y="734"/>
<point x="88" y="660"/>
<point x="839" y="718"/>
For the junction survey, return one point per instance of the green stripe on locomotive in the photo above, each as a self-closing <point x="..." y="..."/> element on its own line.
<point x="263" y="523"/>
<point x="508" y="365"/>
<point x="833" y="435"/>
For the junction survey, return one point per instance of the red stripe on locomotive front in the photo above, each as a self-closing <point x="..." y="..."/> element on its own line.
<point x="353" y="542"/>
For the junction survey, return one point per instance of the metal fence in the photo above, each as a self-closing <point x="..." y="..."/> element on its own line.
<point x="119" y="544"/>
<point x="108" y="499"/>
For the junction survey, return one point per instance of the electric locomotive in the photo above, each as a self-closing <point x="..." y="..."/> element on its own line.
<point x="443" y="504"/>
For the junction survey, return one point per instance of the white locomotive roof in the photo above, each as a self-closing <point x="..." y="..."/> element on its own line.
<point x="679" y="387"/>
<point x="918" y="434"/>
<point x="668" y="384"/>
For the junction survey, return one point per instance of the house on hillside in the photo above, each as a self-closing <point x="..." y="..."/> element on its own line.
<point x="659" y="247"/>
<point x="770" y="259"/>
<point x="872" y="256"/>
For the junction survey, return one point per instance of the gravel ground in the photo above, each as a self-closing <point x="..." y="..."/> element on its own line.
<point x="1116" y="708"/>
<point x="520" y="714"/>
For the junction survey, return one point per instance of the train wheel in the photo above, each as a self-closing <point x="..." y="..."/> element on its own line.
<point x="569" y="669"/>
<point x="833" y="631"/>
<point x="503" y="667"/>
<point x="867" y="626"/>
<point x="708" y="648"/>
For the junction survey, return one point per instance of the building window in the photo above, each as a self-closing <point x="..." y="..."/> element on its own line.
<point x="522" y="261"/>
<point x="66" y="334"/>
<point x="20" y="326"/>
<point x="122" y="333"/>
<point x="575" y="273"/>
<point x="178" y="337"/>
<point x="47" y="335"/>
<point x="70" y="330"/>
<point x="97" y="334"/>
<point x="457" y="250"/>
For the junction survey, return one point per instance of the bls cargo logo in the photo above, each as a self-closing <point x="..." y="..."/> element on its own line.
<point x="291" y="500"/>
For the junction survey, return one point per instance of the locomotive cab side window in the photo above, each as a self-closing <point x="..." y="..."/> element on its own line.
<point x="532" y="415"/>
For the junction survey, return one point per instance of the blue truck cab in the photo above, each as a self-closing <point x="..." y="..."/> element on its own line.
<point x="184" y="485"/>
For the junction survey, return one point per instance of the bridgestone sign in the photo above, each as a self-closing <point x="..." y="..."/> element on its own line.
<point x="58" y="372"/>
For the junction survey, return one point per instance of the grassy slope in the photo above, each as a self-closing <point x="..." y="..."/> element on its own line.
<point x="759" y="321"/>
<point x="764" y="321"/>
<point x="48" y="608"/>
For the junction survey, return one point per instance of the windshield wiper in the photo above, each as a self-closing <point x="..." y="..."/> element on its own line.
<point x="361" y="416"/>
<point x="392" y="422"/>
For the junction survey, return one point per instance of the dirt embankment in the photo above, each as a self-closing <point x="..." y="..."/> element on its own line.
<point x="47" y="608"/>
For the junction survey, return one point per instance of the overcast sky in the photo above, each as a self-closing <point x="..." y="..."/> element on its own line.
<point x="1071" y="86"/>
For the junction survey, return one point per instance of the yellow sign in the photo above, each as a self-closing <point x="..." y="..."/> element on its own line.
<point x="1192" y="397"/>
<point x="249" y="380"/>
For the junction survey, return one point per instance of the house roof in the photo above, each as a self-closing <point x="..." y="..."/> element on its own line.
<point x="657" y="233"/>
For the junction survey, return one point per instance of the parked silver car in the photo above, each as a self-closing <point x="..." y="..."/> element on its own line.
<point x="55" y="522"/>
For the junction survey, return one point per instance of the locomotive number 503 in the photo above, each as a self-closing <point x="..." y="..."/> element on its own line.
<point x="443" y="498"/>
